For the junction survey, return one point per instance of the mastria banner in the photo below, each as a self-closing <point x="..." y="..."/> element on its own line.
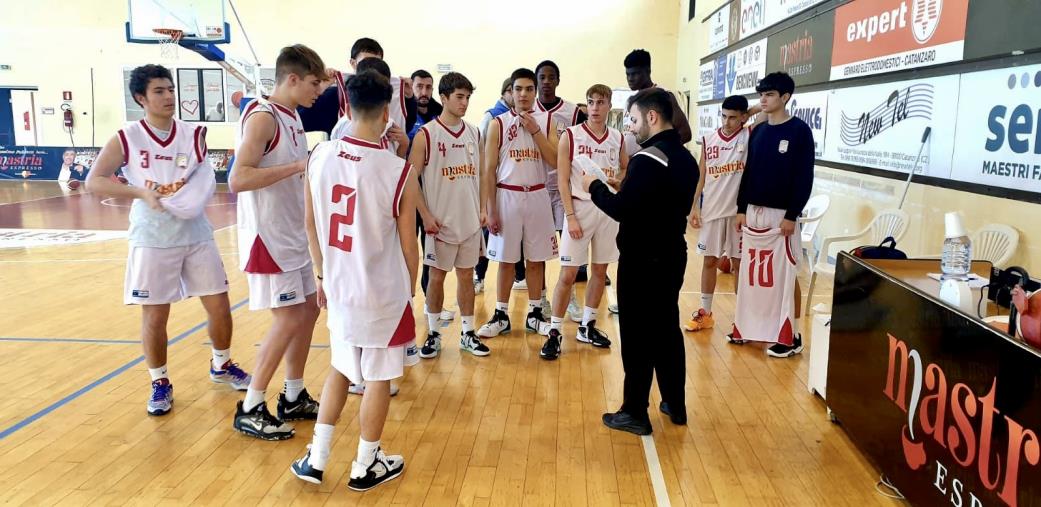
<point x="46" y="162"/>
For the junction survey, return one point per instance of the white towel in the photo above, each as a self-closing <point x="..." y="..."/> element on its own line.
<point x="190" y="200"/>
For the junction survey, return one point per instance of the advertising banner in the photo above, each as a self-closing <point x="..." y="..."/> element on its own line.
<point x="719" y="29"/>
<point x="708" y="120"/>
<point x="804" y="50"/>
<point x="706" y="78"/>
<point x="812" y="108"/>
<point x="745" y="67"/>
<point x="881" y="126"/>
<point x="890" y="35"/>
<point x="780" y="10"/>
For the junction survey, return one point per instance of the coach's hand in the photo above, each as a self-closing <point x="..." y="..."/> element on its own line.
<point x="574" y="229"/>
<point x="695" y="218"/>
<point x="614" y="183"/>
<point x="151" y="198"/>
<point x="787" y="227"/>
<point x="740" y="221"/>
<point x="529" y="123"/>
<point x="587" y="179"/>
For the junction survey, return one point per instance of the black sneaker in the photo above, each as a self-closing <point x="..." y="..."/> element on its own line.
<point x="259" y="423"/>
<point x="497" y="325"/>
<point x="551" y="349"/>
<point x="469" y="342"/>
<point x="303" y="470"/>
<point x="431" y="347"/>
<point x="779" y="350"/>
<point x="382" y="469"/>
<point x="536" y="323"/>
<point x="305" y="407"/>
<point x="676" y="415"/>
<point x="590" y="334"/>
<point x="607" y="280"/>
<point x="622" y="421"/>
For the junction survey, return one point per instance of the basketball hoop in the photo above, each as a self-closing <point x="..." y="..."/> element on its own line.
<point x="168" y="45"/>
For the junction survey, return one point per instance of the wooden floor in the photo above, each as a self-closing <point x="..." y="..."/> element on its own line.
<point x="505" y="429"/>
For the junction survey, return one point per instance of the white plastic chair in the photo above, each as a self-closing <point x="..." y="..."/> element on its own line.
<point x="995" y="243"/>
<point x="890" y="222"/>
<point x="814" y="211"/>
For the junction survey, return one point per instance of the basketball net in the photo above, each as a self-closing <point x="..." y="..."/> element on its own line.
<point x="169" y="44"/>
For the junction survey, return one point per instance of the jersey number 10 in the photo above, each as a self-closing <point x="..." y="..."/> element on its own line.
<point x="761" y="268"/>
<point x="344" y="243"/>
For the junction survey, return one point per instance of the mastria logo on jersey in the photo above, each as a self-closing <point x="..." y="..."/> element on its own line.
<point x="925" y="17"/>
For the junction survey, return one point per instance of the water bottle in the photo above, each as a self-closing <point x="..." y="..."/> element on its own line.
<point x="956" y="260"/>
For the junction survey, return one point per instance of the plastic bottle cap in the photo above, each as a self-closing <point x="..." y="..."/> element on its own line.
<point x="953" y="226"/>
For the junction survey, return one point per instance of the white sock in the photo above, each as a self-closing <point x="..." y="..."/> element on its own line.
<point x="468" y="323"/>
<point x="367" y="451"/>
<point x="293" y="388"/>
<point x="543" y="295"/>
<point x="433" y="319"/>
<point x="533" y="304"/>
<point x="503" y="307"/>
<point x="706" y="302"/>
<point x="158" y="373"/>
<point x="321" y="445"/>
<point x="220" y="357"/>
<point x="588" y="314"/>
<point x="797" y="328"/>
<point x="556" y="323"/>
<point x="253" y="398"/>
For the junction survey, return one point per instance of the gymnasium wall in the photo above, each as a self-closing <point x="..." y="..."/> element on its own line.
<point x="54" y="45"/>
<point x="858" y="192"/>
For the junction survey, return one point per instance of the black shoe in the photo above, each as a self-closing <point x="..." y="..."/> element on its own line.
<point x="303" y="470"/>
<point x="778" y="350"/>
<point x="259" y="423"/>
<point x="607" y="280"/>
<point x="677" y="417"/>
<point x="583" y="274"/>
<point x="535" y="322"/>
<point x="305" y="407"/>
<point x="430" y="349"/>
<point x="469" y="342"/>
<point x="551" y="349"/>
<point x="624" y="422"/>
<point x="591" y="335"/>
<point x="382" y="469"/>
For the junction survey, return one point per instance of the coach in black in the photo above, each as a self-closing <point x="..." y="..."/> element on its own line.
<point x="651" y="208"/>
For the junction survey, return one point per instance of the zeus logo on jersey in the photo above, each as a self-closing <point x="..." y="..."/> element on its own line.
<point x="348" y="156"/>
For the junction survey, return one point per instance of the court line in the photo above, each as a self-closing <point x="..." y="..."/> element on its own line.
<point x="34" y="200"/>
<point x="68" y="340"/>
<point x="650" y="451"/>
<point x="89" y="387"/>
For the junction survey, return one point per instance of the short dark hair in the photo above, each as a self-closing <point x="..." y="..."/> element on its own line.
<point x="374" y="64"/>
<point x="736" y="103"/>
<point x="547" y="63"/>
<point x="653" y="99"/>
<point x="421" y="74"/>
<point x="522" y="73"/>
<point x="506" y="86"/>
<point x="638" y="58"/>
<point x="366" y="45"/>
<point x="300" y="60"/>
<point x="68" y="150"/>
<point x="141" y="76"/>
<point x="368" y="91"/>
<point x="453" y="81"/>
<point x="779" y="82"/>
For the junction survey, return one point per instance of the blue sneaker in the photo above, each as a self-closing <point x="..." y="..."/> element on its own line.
<point x="162" y="397"/>
<point x="232" y="375"/>
<point x="303" y="470"/>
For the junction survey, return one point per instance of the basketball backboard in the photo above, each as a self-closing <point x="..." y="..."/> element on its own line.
<point x="202" y="21"/>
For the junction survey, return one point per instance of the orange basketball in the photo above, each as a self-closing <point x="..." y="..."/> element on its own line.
<point x="74" y="184"/>
<point x="724" y="264"/>
<point x="236" y="98"/>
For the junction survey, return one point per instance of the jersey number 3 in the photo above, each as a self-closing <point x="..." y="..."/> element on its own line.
<point x="343" y="243"/>
<point x="761" y="267"/>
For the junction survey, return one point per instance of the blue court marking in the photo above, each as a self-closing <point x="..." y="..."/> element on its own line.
<point x="68" y="340"/>
<point x="89" y="387"/>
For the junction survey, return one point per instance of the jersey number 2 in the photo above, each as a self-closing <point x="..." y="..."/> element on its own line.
<point x="761" y="267"/>
<point x="343" y="243"/>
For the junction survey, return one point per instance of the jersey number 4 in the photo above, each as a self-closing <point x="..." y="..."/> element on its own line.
<point x="761" y="268"/>
<point x="441" y="149"/>
<point x="335" y="240"/>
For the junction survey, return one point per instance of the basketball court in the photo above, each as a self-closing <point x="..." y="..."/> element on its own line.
<point x="506" y="429"/>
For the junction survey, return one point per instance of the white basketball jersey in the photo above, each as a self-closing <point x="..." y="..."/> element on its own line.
<point x="520" y="161"/>
<point x="605" y="151"/>
<point x="161" y="164"/>
<point x="271" y="231"/>
<point x="397" y="105"/>
<point x="631" y="146"/>
<point x="766" y="299"/>
<point x="343" y="129"/>
<point x="450" y="178"/>
<point x="724" y="165"/>
<point x="564" y="115"/>
<point x="356" y="188"/>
